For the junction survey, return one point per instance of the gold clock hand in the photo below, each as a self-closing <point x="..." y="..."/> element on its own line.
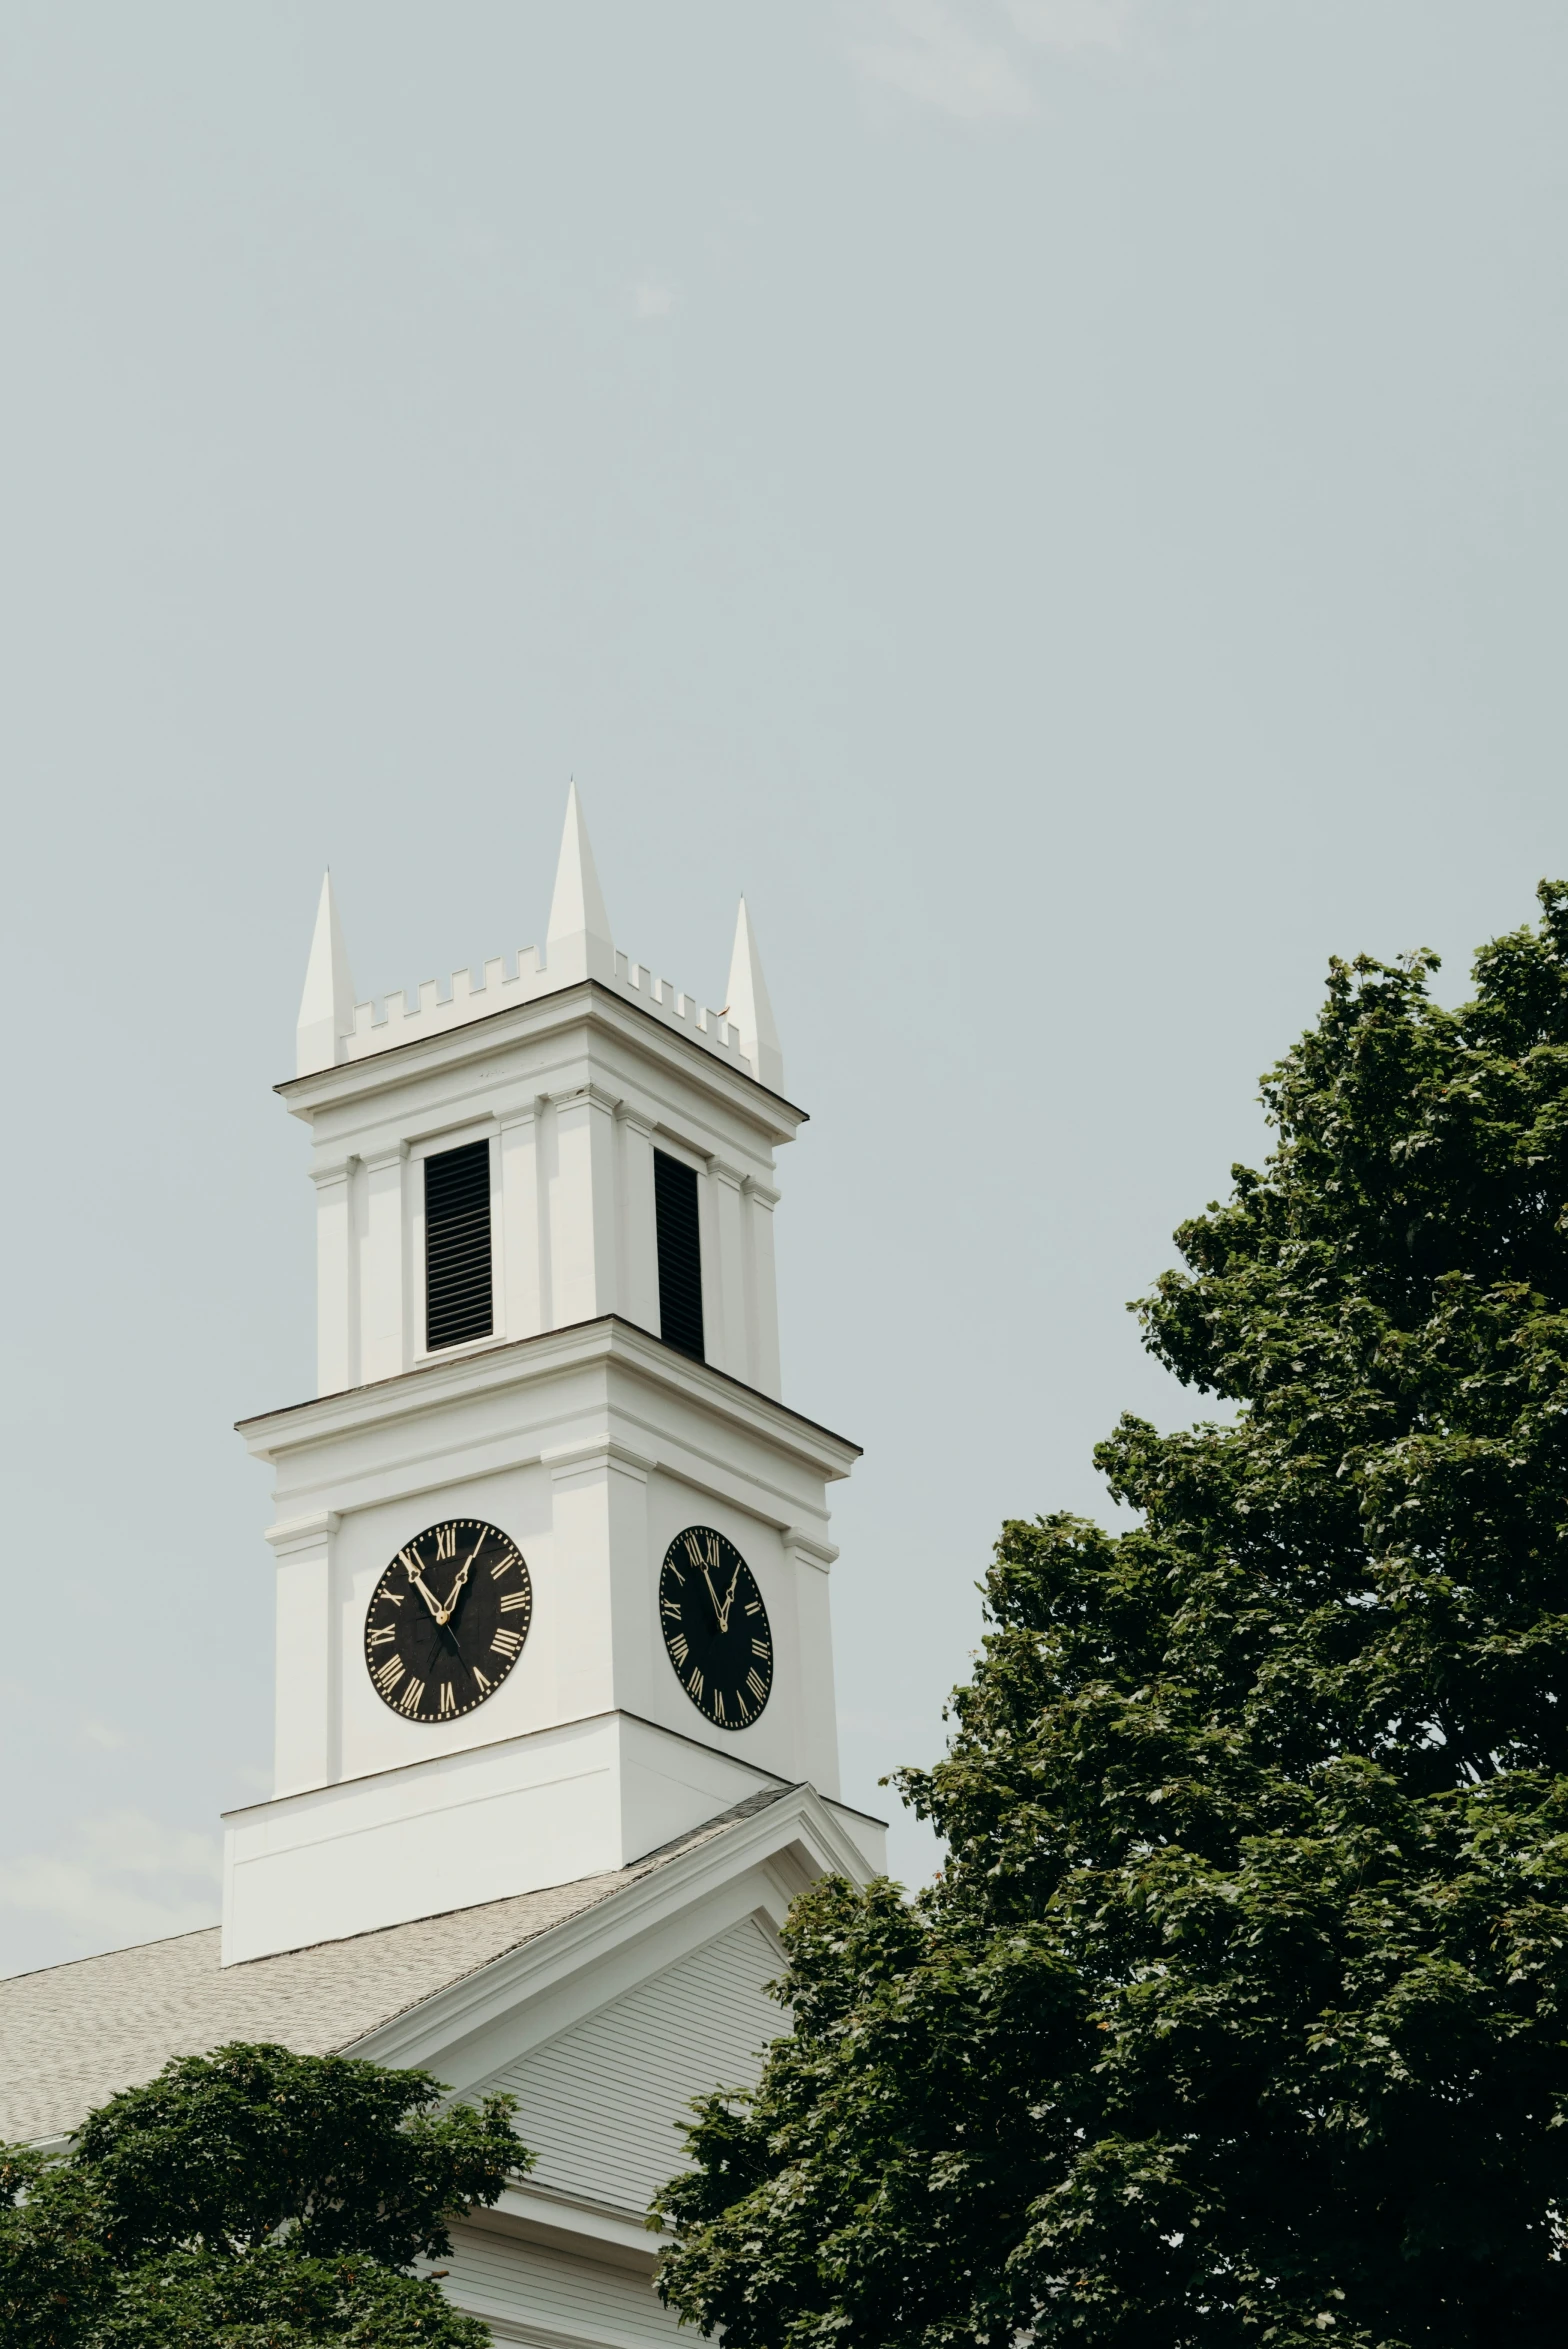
<point x="418" y="1581"/>
<point x="729" y="1601"/>
<point x="714" y="1596"/>
<point x="453" y="1595"/>
<point x="446" y="1612"/>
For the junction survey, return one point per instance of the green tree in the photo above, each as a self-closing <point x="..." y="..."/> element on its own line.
<point x="250" y="2199"/>
<point x="1239" y="2013"/>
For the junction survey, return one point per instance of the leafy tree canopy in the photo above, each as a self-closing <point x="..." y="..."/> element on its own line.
<point x="250" y="2199"/>
<point x="1239" y="2014"/>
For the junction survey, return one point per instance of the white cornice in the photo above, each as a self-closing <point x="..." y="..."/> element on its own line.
<point x="798" y="1820"/>
<point x="571" y="2222"/>
<point x="545" y="1015"/>
<point x="495" y="1368"/>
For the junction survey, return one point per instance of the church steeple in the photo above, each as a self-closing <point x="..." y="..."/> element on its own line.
<point x="548" y="1377"/>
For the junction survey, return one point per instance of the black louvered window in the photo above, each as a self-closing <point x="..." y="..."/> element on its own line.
<point x="680" y="1255"/>
<point x="457" y="1246"/>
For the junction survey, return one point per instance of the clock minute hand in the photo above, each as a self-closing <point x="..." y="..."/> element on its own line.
<point x="418" y="1581"/>
<point x="718" y="1612"/>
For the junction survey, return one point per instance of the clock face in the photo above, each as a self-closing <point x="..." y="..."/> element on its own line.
<point x="715" y="1627"/>
<point x="447" y="1620"/>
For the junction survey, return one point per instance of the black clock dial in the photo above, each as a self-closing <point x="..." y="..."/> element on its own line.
<point x="715" y="1627"/>
<point x="447" y="1620"/>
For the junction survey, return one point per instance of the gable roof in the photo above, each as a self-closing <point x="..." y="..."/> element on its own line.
<point x="73" y="2035"/>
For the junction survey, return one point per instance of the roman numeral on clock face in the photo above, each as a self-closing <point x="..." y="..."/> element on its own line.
<point x="715" y="1626"/>
<point x="441" y="1634"/>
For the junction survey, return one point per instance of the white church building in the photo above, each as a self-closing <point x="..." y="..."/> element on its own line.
<point x="555" y="1741"/>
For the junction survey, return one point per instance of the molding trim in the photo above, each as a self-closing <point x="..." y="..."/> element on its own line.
<point x="799" y="1818"/>
<point x="517" y="1361"/>
<point x="562" y="1007"/>
<point x="571" y="1459"/>
<point x="815" y="1552"/>
<point x="302" y="1533"/>
<point x="389" y="1154"/>
<point x="549" y="1729"/>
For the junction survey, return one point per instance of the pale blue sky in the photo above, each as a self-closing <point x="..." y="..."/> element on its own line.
<point x="1062" y="501"/>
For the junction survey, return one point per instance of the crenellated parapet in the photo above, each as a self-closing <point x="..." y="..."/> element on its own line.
<point x="503" y="981"/>
<point x="334" y="1029"/>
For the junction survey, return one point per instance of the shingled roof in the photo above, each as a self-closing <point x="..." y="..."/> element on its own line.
<point x="73" y="2035"/>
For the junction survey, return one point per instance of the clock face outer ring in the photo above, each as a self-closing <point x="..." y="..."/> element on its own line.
<point x="715" y="1627"/>
<point x="432" y="1670"/>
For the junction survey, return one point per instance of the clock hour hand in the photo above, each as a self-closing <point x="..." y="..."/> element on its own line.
<point x="729" y="1601"/>
<point x="454" y="1594"/>
<point x="450" y="1608"/>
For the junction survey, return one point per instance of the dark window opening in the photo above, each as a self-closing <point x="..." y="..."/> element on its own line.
<point x="457" y="1246"/>
<point x="680" y="1255"/>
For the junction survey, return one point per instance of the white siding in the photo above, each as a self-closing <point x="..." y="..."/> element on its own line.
<point x="526" y="2293"/>
<point x="602" y="2103"/>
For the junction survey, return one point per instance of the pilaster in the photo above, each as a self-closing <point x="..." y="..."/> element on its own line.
<point x="599" y="1529"/>
<point x="524" y="1246"/>
<point x="337" y="1305"/>
<point x="597" y="1500"/>
<point x="638" y="1282"/>
<point x="762" y="1289"/>
<point x="582" y="1206"/>
<point x="819" y="1711"/>
<point x="306" y="1661"/>
<point x="383" y="1304"/>
<point x="729" y="1206"/>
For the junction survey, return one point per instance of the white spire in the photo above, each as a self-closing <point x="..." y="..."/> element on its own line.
<point x="326" y="1009"/>
<point x="750" y="1011"/>
<point x="578" y="944"/>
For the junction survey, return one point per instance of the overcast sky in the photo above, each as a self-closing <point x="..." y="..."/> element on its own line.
<point x="1061" y="501"/>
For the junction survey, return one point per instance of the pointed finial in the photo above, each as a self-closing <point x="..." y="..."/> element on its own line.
<point x="578" y="944"/>
<point x="326" y="1009"/>
<point x="750" y="1010"/>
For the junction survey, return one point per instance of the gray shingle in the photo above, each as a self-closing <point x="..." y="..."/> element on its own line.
<point x="73" y="2035"/>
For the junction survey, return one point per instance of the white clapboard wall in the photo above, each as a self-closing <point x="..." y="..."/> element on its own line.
<point x="602" y="2104"/>
<point x="553" y="2300"/>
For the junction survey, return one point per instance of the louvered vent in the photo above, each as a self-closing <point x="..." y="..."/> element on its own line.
<point x="457" y="1246"/>
<point x="680" y="1255"/>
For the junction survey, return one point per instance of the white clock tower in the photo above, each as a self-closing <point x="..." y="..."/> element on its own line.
<point x="546" y="1305"/>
